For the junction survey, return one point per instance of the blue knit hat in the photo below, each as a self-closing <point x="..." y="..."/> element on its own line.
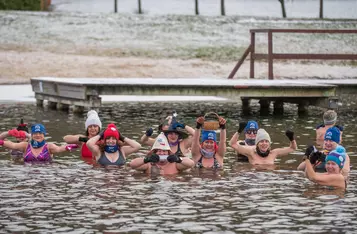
<point x="338" y="157"/>
<point x="251" y="125"/>
<point x="209" y="135"/>
<point x="333" y="134"/>
<point x="38" y="128"/>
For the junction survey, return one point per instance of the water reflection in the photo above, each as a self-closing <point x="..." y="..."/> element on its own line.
<point x="71" y="195"/>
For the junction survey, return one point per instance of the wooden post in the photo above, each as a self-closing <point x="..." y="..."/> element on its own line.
<point x="115" y="6"/>
<point x="252" y="51"/>
<point x="321" y="9"/>
<point x="196" y="7"/>
<point x="223" y="10"/>
<point x="139" y="6"/>
<point x="282" y="2"/>
<point x="270" y="56"/>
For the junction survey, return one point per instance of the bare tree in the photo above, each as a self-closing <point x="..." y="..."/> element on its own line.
<point x="282" y="2"/>
<point x="223" y="10"/>
<point x="321" y="9"/>
<point x="139" y="7"/>
<point x="196" y="7"/>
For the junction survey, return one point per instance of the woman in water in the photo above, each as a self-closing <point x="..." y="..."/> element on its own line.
<point x="176" y="135"/>
<point x="331" y="142"/>
<point x="37" y="149"/>
<point x="160" y="159"/>
<point x="92" y="126"/>
<point x="250" y="132"/>
<point x="107" y="149"/>
<point x="333" y="177"/>
<point x="262" y="154"/>
<point x="21" y="134"/>
<point x="209" y="154"/>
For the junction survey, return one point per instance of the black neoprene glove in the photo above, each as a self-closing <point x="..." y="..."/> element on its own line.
<point x="198" y="125"/>
<point x="222" y="126"/>
<point x="317" y="156"/>
<point x="101" y="134"/>
<point x="310" y="149"/>
<point x="149" y="132"/>
<point x="290" y="135"/>
<point x="242" y="126"/>
<point x="121" y="137"/>
<point x="83" y="139"/>
<point x="154" y="158"/>
<point x="174" y="158"/>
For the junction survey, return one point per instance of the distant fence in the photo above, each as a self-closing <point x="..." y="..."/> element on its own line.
<point x="270" y="56"/>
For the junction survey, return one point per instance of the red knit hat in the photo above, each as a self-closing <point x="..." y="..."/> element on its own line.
<point x="111" y="131"/>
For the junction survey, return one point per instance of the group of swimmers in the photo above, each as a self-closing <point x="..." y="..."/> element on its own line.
<point x="180" y="147"/>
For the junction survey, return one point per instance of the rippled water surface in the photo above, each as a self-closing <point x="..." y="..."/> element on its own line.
<point x="72" y="196"/>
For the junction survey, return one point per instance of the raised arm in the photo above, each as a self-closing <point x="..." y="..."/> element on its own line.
<point x="185" y="163"/>
<point x="15" y="146"/>
<point x="146" y="139"/>
<point x="59" y="149"/>
<point x="196" y="149"/>
<point x="75" y="139"/>
<point x="189" y="139"/>
<point x="287" y="150"/>
<point x="132" y="147"/>
<point x="222" y="147"/>
<point x="93" y="147"/>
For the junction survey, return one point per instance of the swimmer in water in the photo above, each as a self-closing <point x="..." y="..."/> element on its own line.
<point x="262" y="154"/>
<point x="37" y="149"/>
<point x="161" y="160"/>
<point x="108" y="147"/>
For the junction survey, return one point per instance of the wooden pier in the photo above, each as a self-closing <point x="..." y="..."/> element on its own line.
<point x="61" y="93"/>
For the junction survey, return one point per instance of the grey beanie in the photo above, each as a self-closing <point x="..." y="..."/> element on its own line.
<point x="330" y="117"/>
<point x="262" y="135"/>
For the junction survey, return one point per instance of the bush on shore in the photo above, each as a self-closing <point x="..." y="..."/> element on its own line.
<point x="20" y="5"/>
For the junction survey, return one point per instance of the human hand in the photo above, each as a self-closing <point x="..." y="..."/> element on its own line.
<point x="241" y="127"/>
<point x="174" y="158"/>
<point x="154" y="158"/>
<point x="199" y="122"/>
<point x="149" y="132"/>
<point x="222" y="122"/>
<point x="290" y="134"/>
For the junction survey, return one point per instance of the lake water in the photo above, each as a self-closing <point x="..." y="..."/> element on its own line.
<point x="71" y="196"/>
<point x="266" y="8"/>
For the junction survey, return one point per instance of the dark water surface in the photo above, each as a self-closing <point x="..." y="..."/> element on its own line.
<point x="71" y="196"/>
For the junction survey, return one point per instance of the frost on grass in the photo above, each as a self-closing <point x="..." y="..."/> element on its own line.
<point x="217" y="41"/>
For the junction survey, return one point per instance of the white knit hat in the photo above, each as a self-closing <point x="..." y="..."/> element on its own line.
<point x="93" y="119"/>
<point x="262" y="135"/>
<point x="161" y="143"/>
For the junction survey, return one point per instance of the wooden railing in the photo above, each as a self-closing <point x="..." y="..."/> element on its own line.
<point x="270" y="56"/>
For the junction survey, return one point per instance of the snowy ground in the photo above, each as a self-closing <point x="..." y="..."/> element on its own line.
<point x="126" y="45"/>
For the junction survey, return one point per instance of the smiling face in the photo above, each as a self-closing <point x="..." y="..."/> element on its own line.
<point x="110" y="141"/>
<point x="92" y="130"/>
<point x="38" y="136"/>
<point x="208" y="145"/>
<point x="329" y="145"/>
<point x="263" y="145"/>
<point x="172" y="136"/>
<point x="332" y="167"/>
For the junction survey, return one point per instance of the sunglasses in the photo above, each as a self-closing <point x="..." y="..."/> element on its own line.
<point x="251" y="131"/>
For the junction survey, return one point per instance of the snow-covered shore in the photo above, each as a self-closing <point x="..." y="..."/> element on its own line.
<point x="125" y="45"/>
